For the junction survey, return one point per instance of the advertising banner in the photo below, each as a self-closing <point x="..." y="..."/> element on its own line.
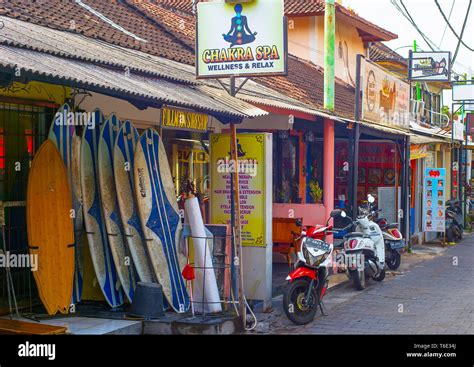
<point x="434" y="219"/>
<point x="430" y="66"/>
<point x="253" y="186"/>
<point x="246" y="39"/>
<point x="386" y="99"/>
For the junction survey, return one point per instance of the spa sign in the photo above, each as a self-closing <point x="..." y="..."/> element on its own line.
<point x="241" y="39"/>
<point x="184" y="120"/>
<point x="386" y="99"/>
<point x="252" y="165"/>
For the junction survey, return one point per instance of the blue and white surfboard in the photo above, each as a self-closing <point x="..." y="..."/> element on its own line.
<point x="93" y="217"/>
<point x="124" y="154"/>
<point x="63" y="134"/>
<point x="110" y="207"/>
<point x="158" y="209"/>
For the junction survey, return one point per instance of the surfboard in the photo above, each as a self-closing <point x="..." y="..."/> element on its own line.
<point x="108" y="193"/>
<point x="161" y="223"/>
<point x="63" y="134"/>
<point x="93" y="217"/>
<point x="124" y="154"/>
<point x="50" y="228"/>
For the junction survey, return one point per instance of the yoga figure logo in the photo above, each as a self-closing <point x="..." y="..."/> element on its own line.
<point x="240" y="33"/>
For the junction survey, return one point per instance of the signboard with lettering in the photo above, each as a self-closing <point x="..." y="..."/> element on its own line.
<point x="184" y="120"/>
<point x="385" y="97"/>
<point x="430" y="66"/>
<point x="253" y="186"/>
<point x="243" y="39"/>
<point x="434" y="219"/>
<point x="463" y="91"/>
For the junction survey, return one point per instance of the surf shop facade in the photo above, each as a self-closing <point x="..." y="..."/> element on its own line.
<point x="27" y="111"/>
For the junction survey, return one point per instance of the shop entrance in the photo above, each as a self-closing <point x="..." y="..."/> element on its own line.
<point x="23" y="128"/>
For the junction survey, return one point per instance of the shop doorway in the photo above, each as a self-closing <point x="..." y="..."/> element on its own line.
<point x="23" y="128"/>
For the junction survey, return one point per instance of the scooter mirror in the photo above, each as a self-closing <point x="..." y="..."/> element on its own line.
<point x="335" y="213"/>
<point x="370" y="199"/>
<point x="299" y="223"/>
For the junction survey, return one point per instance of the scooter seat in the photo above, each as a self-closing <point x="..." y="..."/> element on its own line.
<point x="353" y="235"/>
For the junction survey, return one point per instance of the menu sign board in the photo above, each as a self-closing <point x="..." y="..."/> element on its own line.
<point x="252" y="168"/>
<point x="434" y="218"/>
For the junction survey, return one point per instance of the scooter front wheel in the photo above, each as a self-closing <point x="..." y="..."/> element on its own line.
<point x="299" y="310"/>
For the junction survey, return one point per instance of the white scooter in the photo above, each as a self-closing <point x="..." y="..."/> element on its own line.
<point x="365" y="249"/>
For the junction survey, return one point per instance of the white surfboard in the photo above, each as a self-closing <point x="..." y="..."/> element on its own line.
<point x="93" y="217"/>
<point x="161" y="223"/>
<point x="124" y="154"/>
<point x="121" y="256"/>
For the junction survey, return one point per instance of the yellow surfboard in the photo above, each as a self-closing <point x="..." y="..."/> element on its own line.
<point x="50" y="228"/>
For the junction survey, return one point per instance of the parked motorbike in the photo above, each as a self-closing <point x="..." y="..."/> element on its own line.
<point x="308" y="282"/>
<point x="364" y="249"/>
<point x="394" y="243"/>
<point x="453" y="215"/>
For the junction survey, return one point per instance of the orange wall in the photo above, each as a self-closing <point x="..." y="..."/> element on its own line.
<point x="306" y="40"/>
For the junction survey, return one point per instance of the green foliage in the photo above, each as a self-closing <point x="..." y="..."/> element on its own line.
<point x="316" y="192"/>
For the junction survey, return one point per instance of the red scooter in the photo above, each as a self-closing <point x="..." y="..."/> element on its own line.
<point x="308" y="282"/>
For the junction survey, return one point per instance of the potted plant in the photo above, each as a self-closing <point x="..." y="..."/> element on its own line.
<point x="315" y="192"/>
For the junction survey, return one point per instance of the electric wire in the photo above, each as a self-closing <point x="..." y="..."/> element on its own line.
<point x="447" y="20"/>
<point x="448" y="24"/>
<point x="462" y="31"/>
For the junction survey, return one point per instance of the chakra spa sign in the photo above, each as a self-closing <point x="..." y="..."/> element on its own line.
<point x="241" y="39"/>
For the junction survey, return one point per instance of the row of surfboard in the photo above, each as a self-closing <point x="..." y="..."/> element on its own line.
<point x="120" y="189"/>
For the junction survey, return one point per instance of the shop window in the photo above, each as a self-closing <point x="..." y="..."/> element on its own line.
<point x="286" y="171"/>
<point x="314" y="172"/>
<point x="379" y="170"/>
<point x="189" y="161"/>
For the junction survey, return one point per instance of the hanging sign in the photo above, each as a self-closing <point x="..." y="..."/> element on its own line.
<point x="430" y="66"/>
<point x="184" y="120"/>
<point x="252" y="168"/>
<point x="243" y="39"/>
<point x="385" y="97"/>
<point x="463" y="92"/>
<point x="458" y="130"/>
<point x="434" y="219"/>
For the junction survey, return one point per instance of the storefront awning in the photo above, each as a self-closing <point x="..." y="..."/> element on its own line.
<point x="422" y="139"/>
<point x="25" y="64"/>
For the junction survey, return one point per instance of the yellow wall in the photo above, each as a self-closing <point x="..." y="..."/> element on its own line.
<point x="36" y="91"/>
<point x="306" y="40"/>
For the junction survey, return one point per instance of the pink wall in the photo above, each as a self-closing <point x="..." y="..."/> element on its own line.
<point x="311" y="213"/>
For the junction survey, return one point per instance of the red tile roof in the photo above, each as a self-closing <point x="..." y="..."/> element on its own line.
<point x="367" y="30"/>
<point x="70" y="16"/>
<point x="305" y="82"/>
<point x="380" y="52"/>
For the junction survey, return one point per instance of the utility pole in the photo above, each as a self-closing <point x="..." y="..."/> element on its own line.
<point x="329" y="159"/>
<point x="329" y="34"/>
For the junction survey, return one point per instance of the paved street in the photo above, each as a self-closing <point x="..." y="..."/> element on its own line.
<point x="435" y="296"/>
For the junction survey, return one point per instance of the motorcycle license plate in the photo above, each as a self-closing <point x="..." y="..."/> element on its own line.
<point x="397" y="245"/>
<point x="318" y="244"/>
